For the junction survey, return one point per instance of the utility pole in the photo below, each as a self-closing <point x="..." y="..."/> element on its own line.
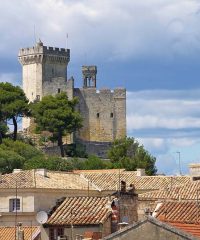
<point x="15" y="204"/>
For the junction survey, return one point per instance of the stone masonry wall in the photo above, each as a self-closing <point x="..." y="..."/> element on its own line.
<point x="44" y="72"/>
<point x="104" y="114"/>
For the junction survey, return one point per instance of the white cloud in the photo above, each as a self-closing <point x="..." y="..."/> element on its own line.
<point x="150" y="121"/>
<point x="166" y="122"/>
<point x="146" y="111"/>
<point x="112" y="29"/>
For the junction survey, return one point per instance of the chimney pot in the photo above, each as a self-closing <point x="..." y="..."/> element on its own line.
<point x="17" y="170"/>
<point x="41" y="171"/>
<point x="140" y="172"/>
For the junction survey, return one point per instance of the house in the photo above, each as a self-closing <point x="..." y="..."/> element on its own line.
<point x="21" y="233"/>
<point x="184" y="215"/>
<point x="85" y="216"/>
<point x="188" y="192"/>
<point x="24" y="193"/>
<point x="93" y="217"/>
<point x="150" y="229"/>
<point x="109" y="181"/>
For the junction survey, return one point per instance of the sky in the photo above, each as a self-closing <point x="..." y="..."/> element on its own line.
<point x="150" y="47"/>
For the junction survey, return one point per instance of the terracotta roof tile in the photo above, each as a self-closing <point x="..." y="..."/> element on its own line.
<point x="193" y="229"/>
<point x="187" y="191"/>
<point x="80" y="210"/>
<point x="101" y="171"/>
<point x="8" y="233"/>
<point x="110" y="181"/>
<point x="179" y="212"/>
<point x="184" y="215"/>
<point x="53" y="180"/>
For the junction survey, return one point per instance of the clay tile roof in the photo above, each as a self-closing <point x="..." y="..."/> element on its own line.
<point x="80" y="211"/>
<point x="114" y="170"/>
<point x="187" y="191"/>
<point x="110" y="180"/>
<point x="179" y="212"/>
<point x="8" y="233"/>
<point x="182" y="215"/>
<point x="53" y="180"/>
<point x="23" y="179"/>
<point x="161" y="226"/>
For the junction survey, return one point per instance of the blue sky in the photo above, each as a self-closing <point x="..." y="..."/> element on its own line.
<point x="150" y="47"/>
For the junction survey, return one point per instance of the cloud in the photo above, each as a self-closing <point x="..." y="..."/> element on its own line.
<point x="108" y="29"/>
<point x="138" y="44"/>
<point x="166" y="122"/>
<point x="148" y="110"/>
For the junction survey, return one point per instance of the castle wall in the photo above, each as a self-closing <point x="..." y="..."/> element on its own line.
<point x="44" y="70"/>
<point x="32" y="80"/>
<point x="44" y="73"/>
<point x="104" y="114"/>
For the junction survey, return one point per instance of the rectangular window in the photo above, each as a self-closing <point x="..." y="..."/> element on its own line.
<point x="58" y="90"/>
<point x="111" y="115"/>
<point x="54" y="233"/>
<point x="97" y="115"/>
<point x="14" y="204"/>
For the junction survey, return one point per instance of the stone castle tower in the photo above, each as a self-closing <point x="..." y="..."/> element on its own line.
<point x="103" y="111"/>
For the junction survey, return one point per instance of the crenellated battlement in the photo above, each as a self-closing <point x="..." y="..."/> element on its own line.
<point x="103" y="111"/>
<point x="44" y="50"/>
<point x="105" y="92"/>
<point x="119" y="93"/>
<point x="38" y="53"/>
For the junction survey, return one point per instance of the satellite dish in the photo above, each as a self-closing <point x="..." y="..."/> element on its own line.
<point x="42" y="217"/>
<point x="125" y="219"/>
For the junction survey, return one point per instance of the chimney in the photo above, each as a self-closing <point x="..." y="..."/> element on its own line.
<point x="194" y="170"/>
<point x="41" y="171"/>
<point x="17" y="170"/>
<point x="19" y="232"/>
<point x="122" y="225"/>
<point x="140" y="172"/>
<point x="123" y="186"/>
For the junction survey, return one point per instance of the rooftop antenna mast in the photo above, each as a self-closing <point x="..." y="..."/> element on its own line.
<point x="34" y="33"/>
<point x="67" y="39"/>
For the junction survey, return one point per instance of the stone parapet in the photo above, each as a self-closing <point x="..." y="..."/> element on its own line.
<point x="41" y="53"/>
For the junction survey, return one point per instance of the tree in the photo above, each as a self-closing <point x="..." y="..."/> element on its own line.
<point x="128" y="153"/>
<point x="3" y="130"/>
<point x="13" y="104"/>
<point x="10" y="160"/>
<point x="57" y="114"/>
<point x="94" y="162"/>
<point x="17" y="154"/>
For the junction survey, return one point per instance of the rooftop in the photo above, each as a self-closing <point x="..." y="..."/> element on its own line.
<point x="80" y="211"/>
<point x="188" y="191"/>
<point x="8" y="233"/>
<point x="184" y="215"/>
<point x="44" y="179"/>
<point x="179" y="212"/>
<point x="110" y="180"/>
<point x="149" y="220"/>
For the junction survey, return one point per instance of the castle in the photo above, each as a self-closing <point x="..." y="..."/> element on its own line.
<point x="103" y="111"/>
